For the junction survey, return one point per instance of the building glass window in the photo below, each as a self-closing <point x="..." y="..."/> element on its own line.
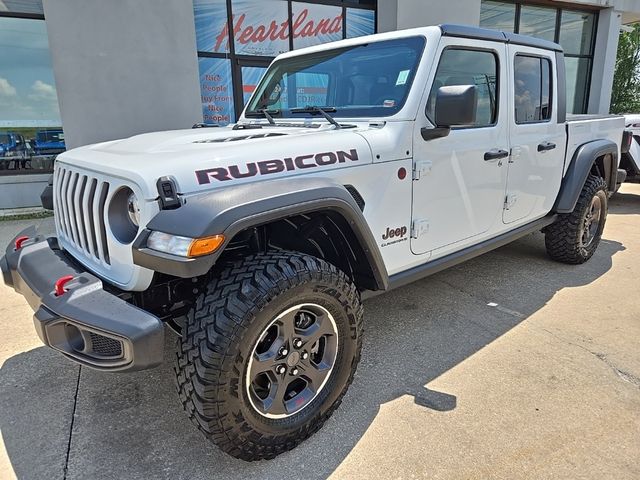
<point x="538" y="22"/>
<point x="260" y="27"/>
<point x="576" y="32"/>
<point x="360" y="22"/>
<point x="216" y="90"/>
<point x="212" y="32"/>
<point x="498" y="15"/>
<point x="30" y="128"/>
<point x="250" y="78"/>
<point x="577" y="75"/>
<point x="232" y="63"/>
<point x="573" y="29"/>
<point x="314" y="24"/>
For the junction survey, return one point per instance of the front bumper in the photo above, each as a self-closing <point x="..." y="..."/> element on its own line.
<point x="86" y="324"/>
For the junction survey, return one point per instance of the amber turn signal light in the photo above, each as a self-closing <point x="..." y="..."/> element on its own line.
<point x="204" y="246"/>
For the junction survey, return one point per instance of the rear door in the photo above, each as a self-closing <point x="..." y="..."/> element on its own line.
<point x="460" y="190"/>
<point x="537" y="141"/>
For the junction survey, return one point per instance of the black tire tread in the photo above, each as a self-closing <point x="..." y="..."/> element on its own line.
<point x="562" y="236"/>
<point x="215" y="328"/>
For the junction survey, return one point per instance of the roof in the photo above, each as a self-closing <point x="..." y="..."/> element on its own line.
<point x="446" y="30"/>
<point x="497" y="36"/>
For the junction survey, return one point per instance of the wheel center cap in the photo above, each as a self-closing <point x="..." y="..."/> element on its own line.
<point x="293" y="359"/>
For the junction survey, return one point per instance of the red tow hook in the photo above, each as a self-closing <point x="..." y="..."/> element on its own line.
<point x="20" y="241"/>
<point x="60" y="283"/>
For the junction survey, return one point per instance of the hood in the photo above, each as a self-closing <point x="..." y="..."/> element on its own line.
<point x="201" y="159"/>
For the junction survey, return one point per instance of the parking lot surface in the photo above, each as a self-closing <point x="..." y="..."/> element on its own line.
<point x="507" y="366"/>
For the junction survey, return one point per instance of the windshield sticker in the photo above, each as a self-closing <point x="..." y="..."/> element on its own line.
<point x="389" y="103"/>
<point x="402" y="77"/>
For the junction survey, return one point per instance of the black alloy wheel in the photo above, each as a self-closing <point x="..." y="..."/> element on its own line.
<point x="292" y="361"/>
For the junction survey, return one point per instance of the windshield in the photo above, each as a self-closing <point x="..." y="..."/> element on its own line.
<point x="4" y="139"/>
<point x="53" y="136"/>
<point x="368" y="80"/>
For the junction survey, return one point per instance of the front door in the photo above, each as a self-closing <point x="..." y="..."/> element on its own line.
<point x="459" y="194"/>
<point x="537" y="141"/>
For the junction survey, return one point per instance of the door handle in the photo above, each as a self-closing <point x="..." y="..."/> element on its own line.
<point x="546" y="146"/>
<point x="495" y="154"/>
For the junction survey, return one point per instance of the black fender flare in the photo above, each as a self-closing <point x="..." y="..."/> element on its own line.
<point x="230" y="210"/>
<point x="580" y="167"/>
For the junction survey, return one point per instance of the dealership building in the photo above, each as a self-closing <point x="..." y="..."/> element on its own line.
<point x="101" y="70"/>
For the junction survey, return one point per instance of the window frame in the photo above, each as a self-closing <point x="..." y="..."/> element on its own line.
<point x="496" y="56"/>
<point x="551" y="86"/>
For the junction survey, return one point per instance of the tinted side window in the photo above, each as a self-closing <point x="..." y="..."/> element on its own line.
<point x="469" y="67"/>
<point x="532" y="89"/>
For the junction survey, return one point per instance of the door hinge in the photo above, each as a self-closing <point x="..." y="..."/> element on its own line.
<point x="420" y="169"/>
<point x="510" y="200"/>
<point x="515" y="154"/>
<point x="419" y="228"/>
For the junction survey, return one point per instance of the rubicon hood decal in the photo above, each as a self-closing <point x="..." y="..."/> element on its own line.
<point x="266" y="167"/>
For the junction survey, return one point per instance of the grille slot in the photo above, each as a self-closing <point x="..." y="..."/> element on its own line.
<point x="79" y="203"/>
<point x="105" y="346"/>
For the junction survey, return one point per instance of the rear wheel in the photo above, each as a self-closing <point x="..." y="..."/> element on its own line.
<point x="575" y="236"/>
<point x="268" y="352"/>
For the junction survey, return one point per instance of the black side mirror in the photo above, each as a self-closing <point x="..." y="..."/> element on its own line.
<point x="456" y="105"/>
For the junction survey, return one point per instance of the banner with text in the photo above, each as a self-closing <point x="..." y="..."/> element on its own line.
<point x="314" y="24"/>
<point x="260" y="27"/>
<point x="216" y="90"/>
<point x="211" y="25"/>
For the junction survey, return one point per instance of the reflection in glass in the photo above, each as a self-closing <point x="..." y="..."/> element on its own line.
<point x="368" y="80"/>
<point x="468" y="67"/>
<point x="250" y="78"/>
<point x="498" y="15"/>
<point x="577" y="74"/>
<point x="28" y="99"/>
<point x="576" y="32"/>
<point x="527" y="86"/>
<point x="538" y="22"/>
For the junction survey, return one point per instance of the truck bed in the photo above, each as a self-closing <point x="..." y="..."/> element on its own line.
<point x="584" y="128"/>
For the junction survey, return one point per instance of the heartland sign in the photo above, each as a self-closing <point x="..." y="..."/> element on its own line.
<point x="257" y="35"/>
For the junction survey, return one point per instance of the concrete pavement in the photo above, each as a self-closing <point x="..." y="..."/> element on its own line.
<point x="508" y="366"/>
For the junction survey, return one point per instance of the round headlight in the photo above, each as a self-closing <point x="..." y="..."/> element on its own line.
<point x="124" y="215"/>
<point x="133" y="209"/>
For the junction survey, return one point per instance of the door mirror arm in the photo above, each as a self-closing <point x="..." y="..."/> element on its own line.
<point x="455" y="106"/>
<point x="433" y="133"/>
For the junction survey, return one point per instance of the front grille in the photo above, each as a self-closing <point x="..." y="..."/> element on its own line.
<point x="105" y="346"/>
<point x="79" y="203"/>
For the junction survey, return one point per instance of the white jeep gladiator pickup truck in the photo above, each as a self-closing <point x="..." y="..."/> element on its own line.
<point x="356" y="167"/>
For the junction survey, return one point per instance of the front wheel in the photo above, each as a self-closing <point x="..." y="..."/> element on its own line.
<point x="268" y="352"/>
<point x="575" y="236"/>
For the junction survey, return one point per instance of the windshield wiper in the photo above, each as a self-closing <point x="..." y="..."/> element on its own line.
<point x="265" y="113"/>
<point x="322" y="111"/>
